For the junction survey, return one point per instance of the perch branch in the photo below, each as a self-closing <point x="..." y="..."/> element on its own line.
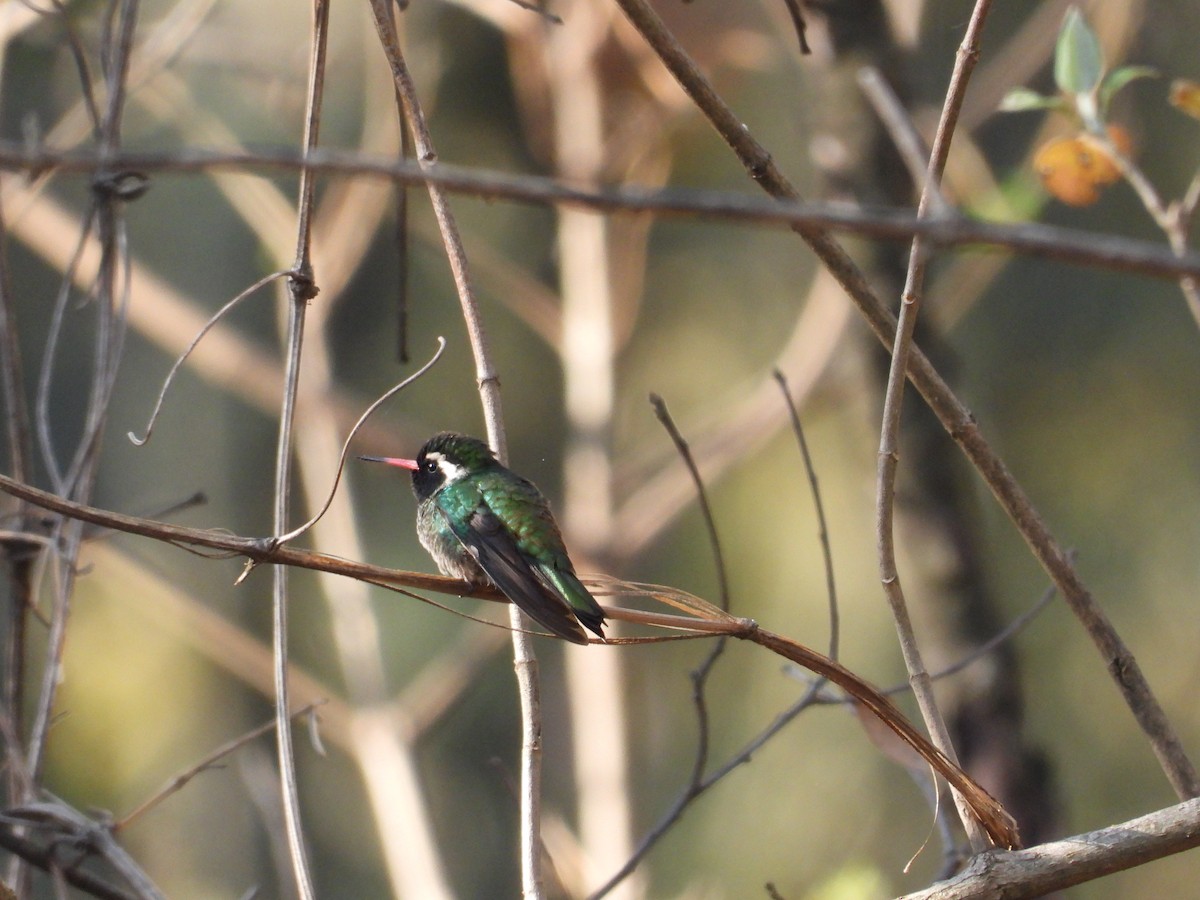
<point x="704" y="617"/>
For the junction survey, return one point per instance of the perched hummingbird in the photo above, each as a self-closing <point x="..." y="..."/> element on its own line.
<point x="483" y="523"/>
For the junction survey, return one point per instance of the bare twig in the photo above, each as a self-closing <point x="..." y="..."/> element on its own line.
<point x="17" y="553"/>
<point x="12" y="377"/>
<point x="703" y="617"/>
<point x="739" y="425"/>
<point x="1173" y="219"/>
<point x="699" y="676"/>
<point x="822" y="528"/>
<point x="105" y="215"/>
<point x="904" y="136"/>
<point x="710" y="524"/>
<point x="889" y="440"/>
<point x="1009" y="631"/>
<point x="14" y="840"/>
<point x="488" y="380"/>
<point x="1057" y="865"/>
<point x="998" y="824"/>
<point x="301" y="289"/>
<point x="700" y="783"/>
<point x="46" y="370"/>
<point x="795" y="10"/>
<point x="180" y="781"/>
<point x="1030" y="238"/>
<point x="88" y="837"/>
<point x="384" y="397"/>
<point x="182" y="358"/>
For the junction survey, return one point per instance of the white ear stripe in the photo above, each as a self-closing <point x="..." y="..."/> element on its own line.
<point x="450" y="471"/>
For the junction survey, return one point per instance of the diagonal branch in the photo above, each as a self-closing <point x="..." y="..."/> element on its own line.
<point x="954" y="416"/>
<point x="1057" y="865"/>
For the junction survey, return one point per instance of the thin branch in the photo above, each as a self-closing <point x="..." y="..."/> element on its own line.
<point x="182" y="358"/>
<point x="47" y="859"/>
<point x="889" y="440"/>
<point x="525" y="662"/>
<point x="66" y="825"/>
<point x="12" y="376"/>
<point x="1005" y="634"/>
<point x="703" y="617"/>
<point x="1065" y="245"/>
<point x="1058" y="865"/>
<point x="822" y="527"/>
<point x="700" y="675"/>
<point x="50" y="354"/>
<point x="904" y="135"/>
<point x="105" y="215"/>
<point x="796" y="12"/>
<point x="16" y="553"/>
<point x="383" y="398"/>
<point x="1173" y="220"/>
<point x="710" y="524"/>
<point x="180" y="781"/>
<point x="301" y="289"/>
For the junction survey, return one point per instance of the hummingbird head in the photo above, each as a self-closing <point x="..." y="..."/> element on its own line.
<point x="445" y="458"/>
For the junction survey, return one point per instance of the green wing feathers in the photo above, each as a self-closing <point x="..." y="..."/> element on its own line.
<point x="578" y="597"/>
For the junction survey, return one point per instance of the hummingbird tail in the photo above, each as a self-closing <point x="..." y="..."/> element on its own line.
<point x="579" y="598"/>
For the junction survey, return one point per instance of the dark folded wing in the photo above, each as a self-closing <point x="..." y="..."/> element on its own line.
<point x="489" y="542"/>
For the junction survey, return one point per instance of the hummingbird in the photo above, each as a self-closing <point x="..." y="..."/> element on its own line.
<point x="485" y="524"/>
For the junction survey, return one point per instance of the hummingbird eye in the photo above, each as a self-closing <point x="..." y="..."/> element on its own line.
<point x="429" y="465"/>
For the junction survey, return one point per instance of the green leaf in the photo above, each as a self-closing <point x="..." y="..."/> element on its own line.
<point x="1023" y="100"/>
<point x="1118" y="78"/>
<point x="1078" y="59"/>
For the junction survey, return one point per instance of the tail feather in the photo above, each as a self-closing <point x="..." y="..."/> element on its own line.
<point x="578" y="597"/>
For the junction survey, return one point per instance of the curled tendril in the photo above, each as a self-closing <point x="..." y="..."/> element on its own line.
<point x="296" y="532"/>
<point x="208" y="326"/>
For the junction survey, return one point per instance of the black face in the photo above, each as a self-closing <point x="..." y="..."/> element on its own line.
<point x="448" y="457"/>
<point x="428" y="476"/>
